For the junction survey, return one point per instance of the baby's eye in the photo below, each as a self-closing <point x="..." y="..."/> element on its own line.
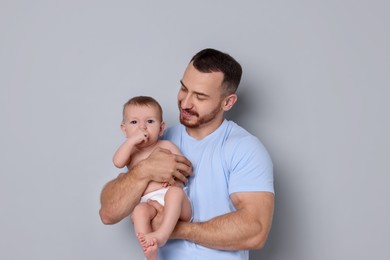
<point x="133" y="122"/>
<point x="150" y="121"/>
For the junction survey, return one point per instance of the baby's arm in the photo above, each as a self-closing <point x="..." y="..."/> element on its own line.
<point x="122" y="156"/>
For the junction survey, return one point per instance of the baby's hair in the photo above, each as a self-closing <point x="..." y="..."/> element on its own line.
<point x="143" y="101"/>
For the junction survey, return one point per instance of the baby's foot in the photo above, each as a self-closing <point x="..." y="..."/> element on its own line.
<point x="149" y="246"/>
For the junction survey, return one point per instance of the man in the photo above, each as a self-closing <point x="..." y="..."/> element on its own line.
<point x="231" y="189"/>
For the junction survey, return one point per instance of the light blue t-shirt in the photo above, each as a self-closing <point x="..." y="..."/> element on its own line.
<point x="228" y="160"/>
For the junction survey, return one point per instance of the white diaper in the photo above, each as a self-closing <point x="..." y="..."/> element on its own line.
<point x="157" y="195"/>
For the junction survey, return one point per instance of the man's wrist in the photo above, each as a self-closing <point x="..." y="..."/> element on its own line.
<point x="180" y="230"/>
<point x="140" y="170"/>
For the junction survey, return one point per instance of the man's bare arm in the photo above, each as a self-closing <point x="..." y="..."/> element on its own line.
<point x="244" y="229"/>
<point x="121" y="195"/>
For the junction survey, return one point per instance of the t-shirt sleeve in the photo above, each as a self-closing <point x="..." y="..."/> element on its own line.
<point x="250" y="167"/>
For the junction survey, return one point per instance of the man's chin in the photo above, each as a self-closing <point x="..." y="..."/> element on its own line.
<point x="188" y="123"/>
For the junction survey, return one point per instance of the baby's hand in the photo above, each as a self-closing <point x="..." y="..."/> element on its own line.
<point x="140" y="136"/>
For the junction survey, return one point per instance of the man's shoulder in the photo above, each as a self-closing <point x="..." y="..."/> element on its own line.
<point x="236" y="133"/>
<point x="238" y="138"/>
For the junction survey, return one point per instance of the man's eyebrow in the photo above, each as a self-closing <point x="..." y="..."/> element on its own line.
<point x="195" y="92"/>
<point x="181" y="82"/>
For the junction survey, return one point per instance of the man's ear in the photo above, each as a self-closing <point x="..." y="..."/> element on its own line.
<point x="229" y="102"/>
<point x="162" y="128"/>
<point x="123" y="129"/>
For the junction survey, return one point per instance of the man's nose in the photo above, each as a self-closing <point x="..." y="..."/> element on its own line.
<point x="186" y="102"/>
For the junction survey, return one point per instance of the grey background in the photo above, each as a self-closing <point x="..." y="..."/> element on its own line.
<point x="315" y="90"/>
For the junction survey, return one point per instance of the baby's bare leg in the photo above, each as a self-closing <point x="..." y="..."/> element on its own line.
<point x="177" y="206"/>
<point x="142" y="216"/>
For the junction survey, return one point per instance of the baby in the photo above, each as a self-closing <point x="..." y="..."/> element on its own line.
<point x="143" y="126"/>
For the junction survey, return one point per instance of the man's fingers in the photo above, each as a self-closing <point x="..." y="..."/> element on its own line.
<point x="184" y="170"/>
<point x="171" y="181"/>
<point x="177" y="167"/>
<point x="179" y="176"/>
<point x="155" y="205"/>
<point x="183" y="167"/>
<point x="184" y="162"/>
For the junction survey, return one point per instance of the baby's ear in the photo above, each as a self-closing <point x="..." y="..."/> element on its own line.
<point x="162" y="128"/>
<point x="123" y="128"/>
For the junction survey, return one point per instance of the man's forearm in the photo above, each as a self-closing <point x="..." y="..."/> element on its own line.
<point x="121" y="195"/>
<point x="244" y="229"/>
<point x="226" y="232"/>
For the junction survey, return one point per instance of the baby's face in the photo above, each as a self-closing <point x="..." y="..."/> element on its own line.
<point x="144" y="120"/>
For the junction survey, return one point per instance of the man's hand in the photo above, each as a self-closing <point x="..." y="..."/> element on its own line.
<point x="164" y="166"/>
<point x="157" y="220"/>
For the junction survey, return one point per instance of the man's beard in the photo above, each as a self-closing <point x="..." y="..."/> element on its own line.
<point x="199" y="120"/>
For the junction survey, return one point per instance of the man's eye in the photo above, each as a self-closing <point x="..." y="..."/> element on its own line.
<point x="200" y="97"/>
